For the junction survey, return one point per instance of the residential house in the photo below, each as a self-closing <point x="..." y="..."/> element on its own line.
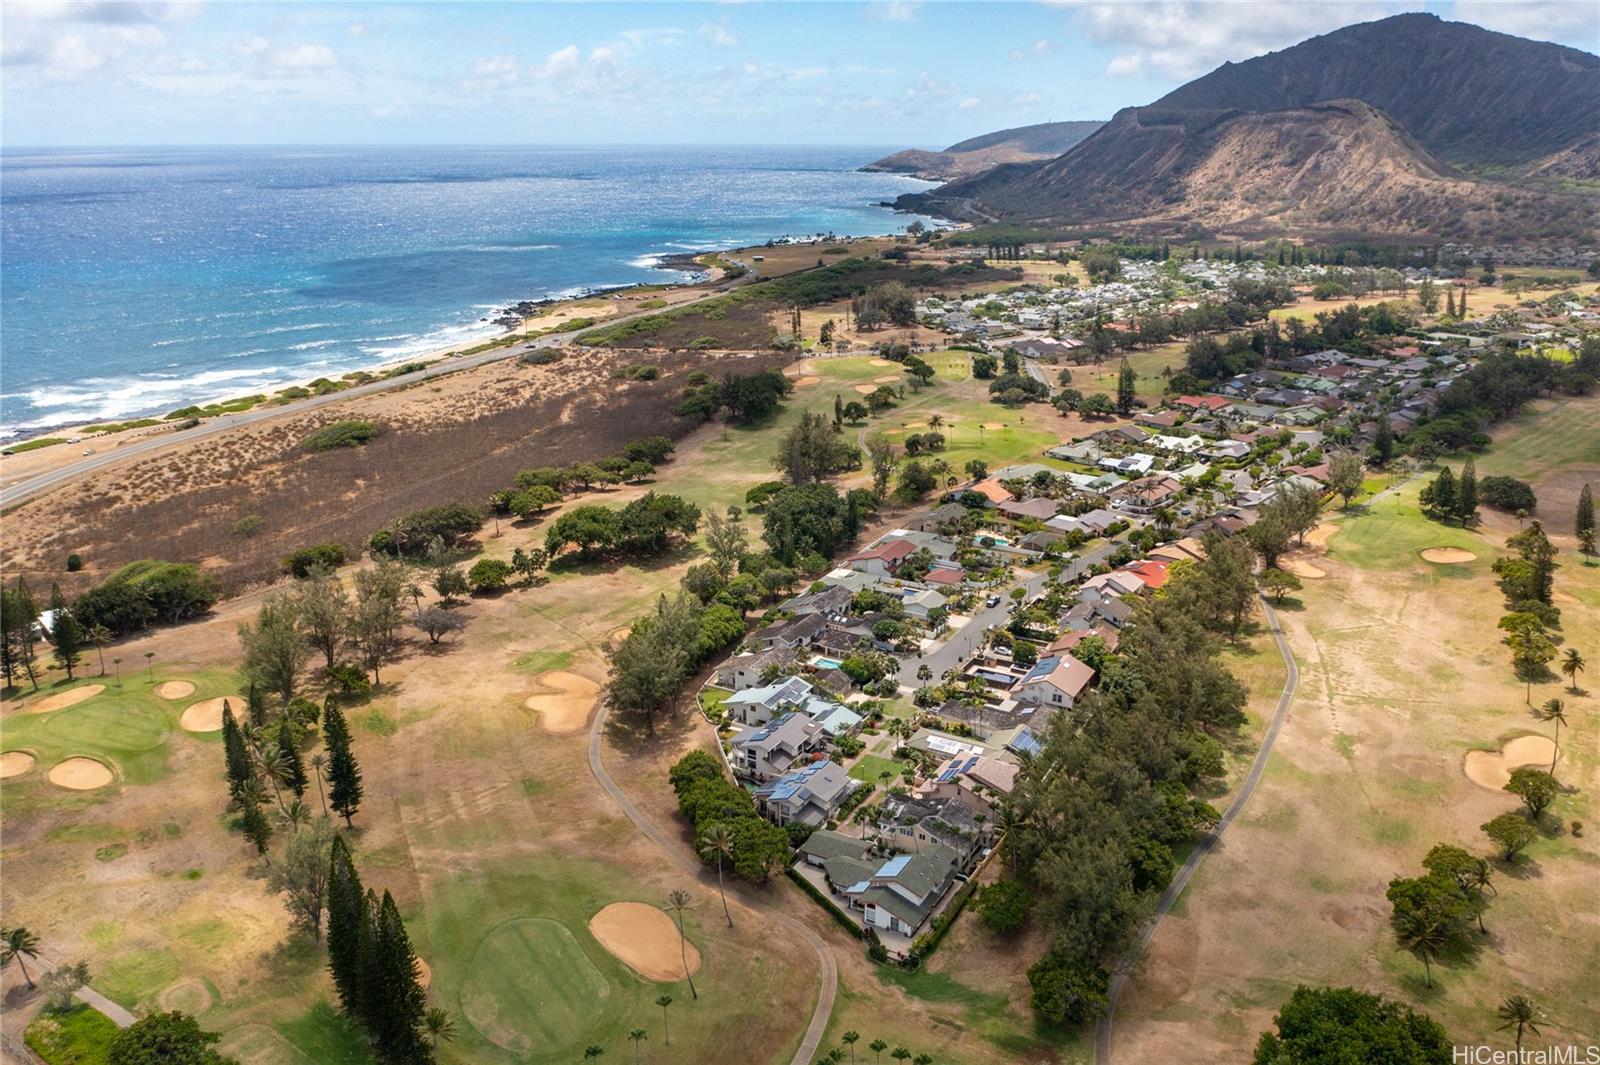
<point x="915" y="823"/>
<point x="809" y="795"/>
<point x="765" y="753"/>
<point x="897" y="894"/>
<point x="1037" y="509"/>
<point x="1146" y="495"/>
<point x="883" y="558"/>
<point x="750" y="670"/>
<point x="1056" y="680"/>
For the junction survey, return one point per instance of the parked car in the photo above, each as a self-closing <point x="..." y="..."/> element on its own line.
<point x="992" y="601"/>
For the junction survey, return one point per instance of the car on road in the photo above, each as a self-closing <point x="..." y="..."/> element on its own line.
<point x="992" y="601"/>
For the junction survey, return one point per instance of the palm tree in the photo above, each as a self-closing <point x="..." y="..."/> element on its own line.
<point x="1572" y="664"/>
<point x="592" y="1051"/>
<point x="15" y="945"/>
<point x="1479" y="881"/>
<point x="1556" y="711"/>
<point x="900" y="1054"/>
<point x="922" y="1059"/>
<point x="1424" y="939"/>
<point x="935" y="420"/>
<point x="295" y="814"/>
<point x="274" y="768"/>
<point x="878" y="1046"/>
<point x="849" y="1038"/>
<point x="319" y="762"/>
<point x="414" y="590"/>
<point x="439" y="1025"/>
<point x="1520" y="1013"/>
<point x="678" y="899"/>
<point x="150" y="664"/>
<point x="924" y="674"/>
<point x="717" y="840"/>
<point x="638" y="1035"/>
<point x="664" y="1001"/>
<point x="98" y="636"/>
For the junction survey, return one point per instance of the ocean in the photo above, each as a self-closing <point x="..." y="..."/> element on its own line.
<point x="134" y="281"/>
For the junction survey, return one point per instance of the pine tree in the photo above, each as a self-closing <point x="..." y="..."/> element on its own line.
<point x="294" y="768"/>
<point x="1450" y="303"/>
<point x="838" y="411"/>
<point x="256" y="703"/>
<point x="240" y="770"/>
<point x="1438" y="499"/>
<point x="347" y="919"/>
<point x="344" y="775"/>
<point x="1383" y="439"/>
<point x="255" y="825"/>
<point x="1584" y="526"/>
<point x="395" y="1018"/>
<point x="1461" y="308"/>
<point x="1127" y="384"/>
<point x="65" y="632"/>
<point x="1466" y="508"/>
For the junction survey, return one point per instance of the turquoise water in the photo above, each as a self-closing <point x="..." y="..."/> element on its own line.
<point x="136" y="281"/>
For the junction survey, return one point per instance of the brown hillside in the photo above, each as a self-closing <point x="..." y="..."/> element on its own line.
<point x="977" y="154"/>
<point x="1339" y="167"/>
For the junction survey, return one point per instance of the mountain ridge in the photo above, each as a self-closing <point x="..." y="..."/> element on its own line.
<point x="1247" y="149"/>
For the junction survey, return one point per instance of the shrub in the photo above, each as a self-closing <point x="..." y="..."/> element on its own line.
<point x="411" y="535"/>
<point x="350" y="433"/>
<point x="320" y="556"/>
<point x="707" y="797"/>
<point x="1507" y="494"/>
<point x="350" y="680"/>
<point x="248" y="525"/>
<point x="488" y="574"/>
<point x="74" y="563"/>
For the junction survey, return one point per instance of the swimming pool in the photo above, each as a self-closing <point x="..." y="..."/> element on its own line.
<point x="823" y="662"/>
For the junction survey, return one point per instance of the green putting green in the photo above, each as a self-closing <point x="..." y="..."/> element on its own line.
<point x="530" y="988"/>
<point x="121" y="727"/>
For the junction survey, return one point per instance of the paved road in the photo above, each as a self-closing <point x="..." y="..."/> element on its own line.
<point x="1103" y="1028"/>
<point x="960" y="646"/>
<point x="827" y="968"/>
<point x="223" y="423"/>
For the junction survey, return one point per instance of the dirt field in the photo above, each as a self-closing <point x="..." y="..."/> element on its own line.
<point x="1403" y="678"/>
<point x="454" y="438"/>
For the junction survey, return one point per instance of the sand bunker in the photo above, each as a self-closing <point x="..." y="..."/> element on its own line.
<point x="175" y="689"/>
<point x="880" y="362"/>
<point x="887" y="379"/>
<point x="1447" y="556"/>
<point x="994" y="425"/>
<point x="893" y="432"/>
<point x="1492" y="769"/>
<point x="424" y="974"/>
<point x="14" y="764"/>
<point x="206" y="716"/>
<point x="1318" y="538"/>
<point x="80" y="774"/>
<point x="645" y="939"/>
<point x="802" y="382"/>
<point x="1302" y="568"/>
<point x="866" y="390"/>
<point x="62" y="700"/>
<point x="567" y="707"/>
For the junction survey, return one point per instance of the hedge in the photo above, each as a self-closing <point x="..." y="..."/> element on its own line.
<point x="838" y="915"/>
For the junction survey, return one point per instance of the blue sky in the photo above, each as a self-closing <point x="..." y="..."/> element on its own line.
<point x="892" y="73"/>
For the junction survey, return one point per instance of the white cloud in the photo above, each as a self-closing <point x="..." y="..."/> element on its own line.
<point x="1182" y="38"/>
<point x="893" y="10"/>
<point x="72" y="54"/>
<point x="306" y="57"/>
<point x="1543" y="20"/>
<point x="254" y="46"/>
<point x="397" y="109"/>
<point x="969" y="103"/>
<point x="1041" y="46"/>
<point x="493" y="74"/>
<point x="718" y="34"/>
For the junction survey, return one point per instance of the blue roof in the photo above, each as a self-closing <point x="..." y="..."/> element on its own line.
<point x="1042" y="668"/>
<point x="1026" y="741"/>
<point x="893" y="866"/>
<point x="958" y="767"/>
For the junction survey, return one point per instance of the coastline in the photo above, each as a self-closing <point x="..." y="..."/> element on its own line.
<point x="517" y="321"/>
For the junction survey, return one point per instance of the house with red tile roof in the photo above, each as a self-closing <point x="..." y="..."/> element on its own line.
<point x="1206" y="403"/>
